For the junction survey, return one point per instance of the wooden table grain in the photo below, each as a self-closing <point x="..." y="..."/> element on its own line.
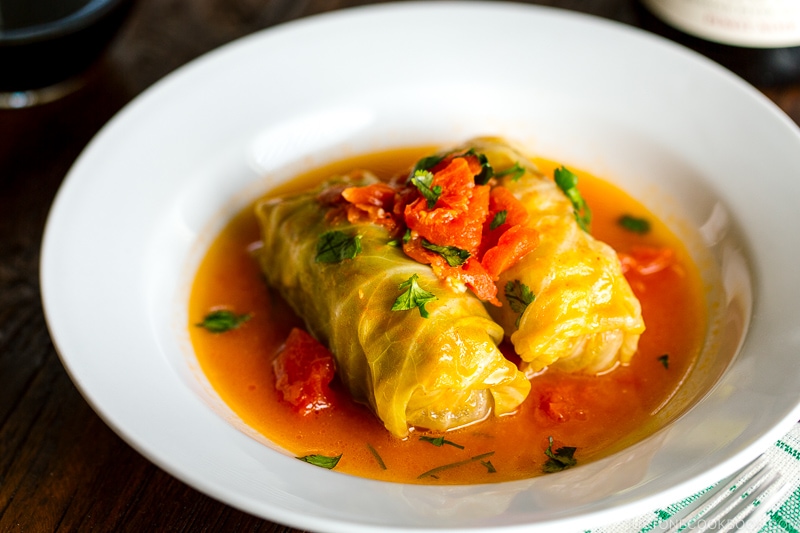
<point x="61" y="467"/>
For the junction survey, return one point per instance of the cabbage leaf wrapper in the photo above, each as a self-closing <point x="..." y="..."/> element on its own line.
<point x="437" y="373"/>
<point x="583" y="316"/>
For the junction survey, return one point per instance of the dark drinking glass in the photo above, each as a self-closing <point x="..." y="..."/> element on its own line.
<point x="45" y="45"/>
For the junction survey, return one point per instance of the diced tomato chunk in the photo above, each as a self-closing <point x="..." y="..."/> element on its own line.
<point x="377" y="194"/>
<point x="512" y="246"/>
<point x="372" y="203"/>
<point x="645" y="260"/>
<point x="304" y="369"/>
<point x="471" y="273"/>
<point x="502" y="199"/>
<point x="457" y="182"/>
<point x="413" y="249"/>
<point x="505" y="211"/>
<point x="456" y="213"/>
<point x="479" y="281"/>
<point x="555" y="406"/>
<point x="459" y="226"/>
<point x="475" y="165"/>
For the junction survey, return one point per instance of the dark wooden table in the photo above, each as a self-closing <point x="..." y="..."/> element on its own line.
<point x="61" y="467"/>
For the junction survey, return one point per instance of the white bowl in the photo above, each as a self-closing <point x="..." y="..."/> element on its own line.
<point x="703" y="150"/>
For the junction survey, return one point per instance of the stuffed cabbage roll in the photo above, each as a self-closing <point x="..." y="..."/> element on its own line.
<point x="566" y="304"/>
<point x="440" y="372"/>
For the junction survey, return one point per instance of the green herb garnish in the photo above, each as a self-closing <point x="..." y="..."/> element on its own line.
<point x="423" y="180"/>
<point x="440" y="441"/>
<point x="519" y="296"/>
<point x="432" y="472"/>
<point x="426" y="163"/>
<point x="559" y="460"/>
<point x="321" y="461"/>
<point x="634" y="224"/>
<point x="499" y="219"/>
<point x="336" y="246"/>
<point x="377" y="456"/>
<point x="489" y="466"/>
<point x="664" y="360"/>
<point x="223" y="320"/>
<point x="406" y="237"/>
<point x="486" y="173"/>
<point x="568" y="183"/>
<point x="414" y="296"/>
<point x="515" y="172"/>
<point x="454" y="256"/>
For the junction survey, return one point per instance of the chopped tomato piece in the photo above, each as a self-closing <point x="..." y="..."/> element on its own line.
<point x="512" y="246"/>
<point x="475" y="165"/>
<point x="505" y="211"/>
<point x="413" y="249"/>
<point x="449" y="210"/>
<point x="471" y="273"/>
<point x="472" y="160"/>
<point x="644" y="260"/>
<point x="502" y="199"/>
<point x="556" y="407"/>
<point x="457" y="182"/>
<point x="304" y="369"/>
<point x="479" y="281"/>
<point x="460" y="226"/>
<point x="371" y="203"/>
<point x="377" y="194"/>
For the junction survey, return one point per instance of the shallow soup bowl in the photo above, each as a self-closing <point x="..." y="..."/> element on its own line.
<point x="705" y="152"/>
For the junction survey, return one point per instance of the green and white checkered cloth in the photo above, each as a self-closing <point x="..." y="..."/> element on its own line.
<point x="781" y="516"/>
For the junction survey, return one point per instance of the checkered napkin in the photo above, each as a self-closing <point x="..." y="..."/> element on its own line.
<point x="782" y="516"/>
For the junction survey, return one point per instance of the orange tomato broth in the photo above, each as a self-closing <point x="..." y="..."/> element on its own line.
<point x="595" y="414"/>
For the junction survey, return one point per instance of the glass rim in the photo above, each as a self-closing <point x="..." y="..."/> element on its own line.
<point x="76" y="21"/>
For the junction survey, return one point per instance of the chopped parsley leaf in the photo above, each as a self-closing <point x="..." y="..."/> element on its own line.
<point x="454" y="256"/>
<point x="440" y="441"/>
<point x="519" y="296"/>
<point x="664" y="360"/>
<point x="515" y="172"/>
<point x="559" y="460"/>
<point x="634" y="224"/>
<point x="499" y="219"/>
<point x="321" y="461"/>
<point x="568" y="183"/>
<point x="414" y="296"/>
<point x="336" y="246"/>
<point x="377" y="456"/>
<point x="432" y="472"/>
<point x="423" y="180"/>
<point x="404" y="240"/>
<point x="489" y="467"/>
<point x="487" y="172"/>
<point x="426" y="163"/>
<point x="223" y="320"/>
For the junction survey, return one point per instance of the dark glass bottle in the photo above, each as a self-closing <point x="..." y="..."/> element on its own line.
<point x="763" y="48"/>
